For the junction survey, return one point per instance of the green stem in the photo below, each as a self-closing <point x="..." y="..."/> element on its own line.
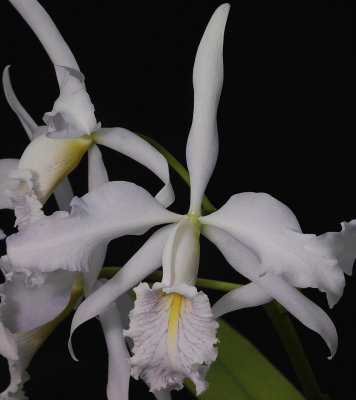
<point x="280" y="320"/>
<point x="291" y="343"/>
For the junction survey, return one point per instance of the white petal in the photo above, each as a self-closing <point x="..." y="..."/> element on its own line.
<point x="97" y="174"/>
<point x="246" y="263"/>
<point x="208" y="74"/>
<point x="6" y="166"/>
<point x="69" y="241"/>
<point x="133" y="146"/>
<point x="118" y="370"/>
<point x="174" y="333"/>
<point x="27" y="122"/>
<point x="249" y="295"/>
<point x="145" y="261"/>
<point x="73" y="112"/>
<point x="339" y="245"/>
<point x="48" y="34"/>
<point x="50" y="160"/>
<point x="181" y="255"/>
<point x="271" y="231"/>
<point x="64" y="194"/>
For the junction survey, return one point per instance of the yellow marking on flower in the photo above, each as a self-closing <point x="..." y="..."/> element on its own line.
<point x="173" y="323"/>
<point x="51" y="160"/>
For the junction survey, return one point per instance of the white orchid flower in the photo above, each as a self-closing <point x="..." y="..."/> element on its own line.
<point x="172" y="324"/>
<point x="31" y="308"/>
<point x="71" y="129"/>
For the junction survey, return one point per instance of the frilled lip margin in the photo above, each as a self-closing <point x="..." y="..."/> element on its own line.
<point x="174" y="333"/>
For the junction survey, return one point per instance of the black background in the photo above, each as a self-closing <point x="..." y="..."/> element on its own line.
<point x="286" y="123"/>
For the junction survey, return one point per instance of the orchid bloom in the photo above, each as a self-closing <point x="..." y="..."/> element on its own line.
<point x="31" y="307"/>
<point x="172" y="325"/>
<point x="29" y="313"/>
<point x="71" y="130"/>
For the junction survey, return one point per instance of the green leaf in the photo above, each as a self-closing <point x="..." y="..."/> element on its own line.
<point x="242" y="372"/>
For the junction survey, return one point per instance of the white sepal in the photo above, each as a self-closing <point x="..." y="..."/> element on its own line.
<point x="208" y="74"/>
<point x="46" y="31"/>
<point x="26" y="120"/>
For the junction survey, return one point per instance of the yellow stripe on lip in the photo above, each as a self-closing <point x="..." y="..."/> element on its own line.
<point x="177" y="301"/>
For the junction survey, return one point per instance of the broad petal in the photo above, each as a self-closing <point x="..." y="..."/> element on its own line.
<point x="47" y="33"/>
<point x="340" y="245"/>
<point x="73" y="112"/>
<point x="174" y="334"/>
<point x="133" y="146"/>
<point x="246" y="263"/>
<point x="26" y="120"/>
<point x="6" y="166"/>
<point x="271" y="231"/>
<point x="250" y="295"/>
<point x="208" y="74"/>
<point x="97" y="174"/>
<point x="145" y="261"/>
<point x="69" y="241"/>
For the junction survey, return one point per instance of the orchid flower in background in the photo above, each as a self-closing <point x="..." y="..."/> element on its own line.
<point x="71" y="130"/>
<point x="172" y="325"/>
<point x="30" y="307"/>
<point x="28" y="314"/>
